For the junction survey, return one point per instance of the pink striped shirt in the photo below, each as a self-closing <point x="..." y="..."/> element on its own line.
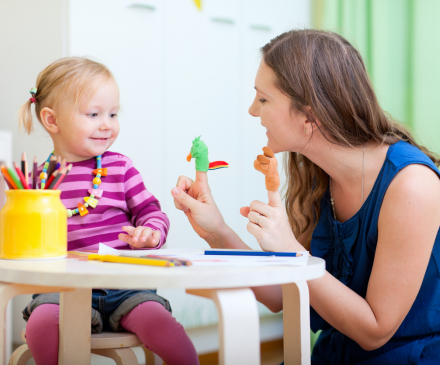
<point x="124" y="202"/>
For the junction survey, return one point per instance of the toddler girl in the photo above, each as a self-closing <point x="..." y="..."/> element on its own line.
<point x="77" y="102"/>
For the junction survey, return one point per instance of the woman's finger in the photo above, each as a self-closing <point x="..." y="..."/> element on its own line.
<point x="261" y="208"/>
<point x="256" y="218"/>
<point x="184" y="199"/>
<point x="244" y="211"/>
<point x="184" y="183"/>
<point x="202" y="177"/>
<point x="274" y="199"/>
<point x="254" y="230"/>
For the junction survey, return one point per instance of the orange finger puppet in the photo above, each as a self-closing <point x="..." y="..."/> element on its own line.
<point x="268" y="165"/>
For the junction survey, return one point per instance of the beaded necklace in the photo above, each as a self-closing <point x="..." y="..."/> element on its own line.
<point x="95" y="193"/>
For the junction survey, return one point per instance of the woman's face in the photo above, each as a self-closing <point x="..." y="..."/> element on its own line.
<point x="285" y="128"/>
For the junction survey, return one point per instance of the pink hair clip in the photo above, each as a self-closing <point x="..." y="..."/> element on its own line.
<point x="33" y="92"/>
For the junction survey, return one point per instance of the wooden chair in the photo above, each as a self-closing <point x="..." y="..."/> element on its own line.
<point x="115" y="345"/>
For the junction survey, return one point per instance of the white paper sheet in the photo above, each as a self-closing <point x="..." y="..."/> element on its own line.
<point x="197" y="257"/>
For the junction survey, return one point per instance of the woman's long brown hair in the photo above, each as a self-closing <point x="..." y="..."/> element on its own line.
<point x="326" y="79"/>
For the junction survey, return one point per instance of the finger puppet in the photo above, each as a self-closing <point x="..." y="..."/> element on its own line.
<point x="268" y="165"/>
<point x="199" y="151"/>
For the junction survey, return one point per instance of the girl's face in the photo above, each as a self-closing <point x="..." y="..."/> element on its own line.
<point x="285" y="128"/>
<point x="92" y="127"/>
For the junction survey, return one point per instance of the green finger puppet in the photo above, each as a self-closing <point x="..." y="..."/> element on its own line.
<point x="199" y="151"/>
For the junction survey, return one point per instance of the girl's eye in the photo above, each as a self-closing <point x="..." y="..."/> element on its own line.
<point x="93" y="115"/>
<point x="262" y="101"/>
<point x="113" y="115"/>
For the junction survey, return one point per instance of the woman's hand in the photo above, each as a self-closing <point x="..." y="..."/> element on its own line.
<point x="270" y="225"/>
<point x="195" y="200"/>
<point x="140" y="237"/>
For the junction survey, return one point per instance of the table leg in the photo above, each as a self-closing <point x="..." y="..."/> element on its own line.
<point x="238" y="323"/>
<point x="7" y="292"/>
<point x="75" y="327"/>
<point x="296" y="321"/>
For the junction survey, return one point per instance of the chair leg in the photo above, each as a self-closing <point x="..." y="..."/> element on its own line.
<point x="151" y="358"/>
<point x="20" y="356"/>
<point x="124" y="356"/>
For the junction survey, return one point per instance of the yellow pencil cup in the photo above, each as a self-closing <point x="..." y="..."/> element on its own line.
<point x="33" y="225"/>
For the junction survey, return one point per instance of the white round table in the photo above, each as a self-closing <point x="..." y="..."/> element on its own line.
<point x="227" y="286"/>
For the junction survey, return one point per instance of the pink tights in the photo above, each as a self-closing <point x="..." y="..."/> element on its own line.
<point x="150" y="321"/>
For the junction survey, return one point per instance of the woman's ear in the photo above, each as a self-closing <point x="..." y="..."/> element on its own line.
<point x="49" y="120"/>
<point x="311" y="123"/>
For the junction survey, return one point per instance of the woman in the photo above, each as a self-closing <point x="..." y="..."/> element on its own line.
<point x="361" y="194"/>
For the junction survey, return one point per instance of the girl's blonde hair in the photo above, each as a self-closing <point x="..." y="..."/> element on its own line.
<point x="67" y="79"/>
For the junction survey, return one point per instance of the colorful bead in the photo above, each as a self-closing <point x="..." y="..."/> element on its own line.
<point x="82" y="210"/>
<point x="46" y="165"/>
<point x="92" y="202"/>
<point x="94" y="193"/>
<point x="97" y="193"/>
<point x="43" y="176"/>
<point x="102" y="172"/>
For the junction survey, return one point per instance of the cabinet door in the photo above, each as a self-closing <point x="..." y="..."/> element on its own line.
<point x="127" y="37"/>
<point x="202" y="83"/>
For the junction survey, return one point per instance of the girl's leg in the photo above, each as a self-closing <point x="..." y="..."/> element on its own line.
<point x="42" y="334"/>
<point x="161" y="333"/>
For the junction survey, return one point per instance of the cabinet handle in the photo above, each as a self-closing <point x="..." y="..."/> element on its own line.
<point x="140" y="4"/>
<point x="223" y="20"/>
<point x="262" y="27"/>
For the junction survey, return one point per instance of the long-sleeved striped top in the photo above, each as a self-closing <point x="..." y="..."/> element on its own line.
<point x="125" y="202"/>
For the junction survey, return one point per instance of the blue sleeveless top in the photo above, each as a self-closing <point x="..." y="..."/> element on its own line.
<point x="348" y="249"/>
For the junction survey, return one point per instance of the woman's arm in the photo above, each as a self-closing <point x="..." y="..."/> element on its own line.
<point x="408" y="224"/>
<point x="196" y="201"/>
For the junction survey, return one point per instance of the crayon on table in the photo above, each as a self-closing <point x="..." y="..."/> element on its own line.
<point x="131" y="260"/>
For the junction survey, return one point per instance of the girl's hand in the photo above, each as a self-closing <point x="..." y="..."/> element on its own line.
<point x="270" y="225"/>
<point x="140" y="237"/>
<point x="195" y="200"/>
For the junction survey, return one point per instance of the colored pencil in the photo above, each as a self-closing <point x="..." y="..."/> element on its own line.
<point x="24" y="167"/>
<point x="59" y="179"/>
<point x="21" y="176"/>
<point x="131" y="260"/>
<point x="52" y="177"/>
<point x="58" y="165"/>
<point x="52" y="164"/>
<point x="16" y="180"/>
<point x="177" y="262"/>
<point x="8" y="178"/>
<point x="34" y="174"/>
<point x="252" y="253"/>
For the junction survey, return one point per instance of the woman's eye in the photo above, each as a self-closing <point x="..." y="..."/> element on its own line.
<point x="93" y="115"/>
<point x="262" y="101"/>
